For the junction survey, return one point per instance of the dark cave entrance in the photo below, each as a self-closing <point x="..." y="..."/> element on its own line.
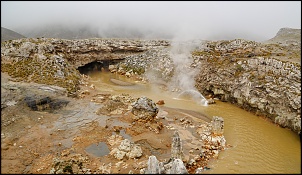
<point x="96" y="66"/>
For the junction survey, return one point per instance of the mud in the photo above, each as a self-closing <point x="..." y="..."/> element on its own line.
<point x="73" y="139"/>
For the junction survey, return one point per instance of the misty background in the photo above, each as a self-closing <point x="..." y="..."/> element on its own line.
<point x="207" y="20"/>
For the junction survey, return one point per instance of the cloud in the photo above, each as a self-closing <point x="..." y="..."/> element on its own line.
<point x="254" y="20"/>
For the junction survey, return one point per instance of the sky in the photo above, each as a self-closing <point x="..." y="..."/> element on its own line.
<point x="209" y="20"/>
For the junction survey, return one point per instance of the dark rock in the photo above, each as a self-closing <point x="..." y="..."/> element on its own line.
<point x="44" y="103"/>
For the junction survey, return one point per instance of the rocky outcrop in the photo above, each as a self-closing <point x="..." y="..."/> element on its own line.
<point x="55" y="61"/>
<point x="127" y="149"/>
<point x="262" y="78"/>
<point x="176" y="148"/>
<point x="155" y="64"/>
<point x="213" y="142"/>
<point x="174" y="166"/>
<point x="287" y="36"/>
<point x="81" y="52"/>
<point x="246" y="74"/>
<point x="116" y="104"/>
<point x="212" y="137"/>
<point x="144" y="109"/>
<point x="70" y="164"/>
<point x="153" y="166"/>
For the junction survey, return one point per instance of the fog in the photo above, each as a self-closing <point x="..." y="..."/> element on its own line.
<point x="214" y="20"/>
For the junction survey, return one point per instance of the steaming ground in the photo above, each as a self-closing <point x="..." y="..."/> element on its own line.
<point x="184" y="73"/>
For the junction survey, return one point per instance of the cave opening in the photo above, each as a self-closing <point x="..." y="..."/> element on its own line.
<point x="96" y="66"/>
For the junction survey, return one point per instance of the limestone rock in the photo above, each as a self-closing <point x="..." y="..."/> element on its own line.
<point x="144" y="108"/>
<point x="178" y="167"/>
<point x="153" y="166"/>
<point x="127" y="149"/>
<point x="265" y="80"/>
<point x="176" y="148"/>
<point x="217" y="125"/>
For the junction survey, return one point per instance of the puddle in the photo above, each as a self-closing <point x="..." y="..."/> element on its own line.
<point x="122" y="133"/>
<point x="98" y="150"/>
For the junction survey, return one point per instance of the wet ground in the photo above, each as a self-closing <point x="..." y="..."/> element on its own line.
<point x="75" y="138"/>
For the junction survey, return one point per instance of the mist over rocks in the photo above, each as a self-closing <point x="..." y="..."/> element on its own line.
<point x="260" y="77"/>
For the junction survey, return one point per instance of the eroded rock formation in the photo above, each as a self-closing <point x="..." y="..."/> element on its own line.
<point x="144" y="109"/>
<point x="127" y="149"/>
<point x="55" y="61"/>
<point x="246" y="73"/>
<point x="262" y="78"/>
<point x="212" y="140"/>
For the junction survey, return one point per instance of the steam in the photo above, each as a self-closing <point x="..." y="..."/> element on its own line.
<point x="184" y="73"/>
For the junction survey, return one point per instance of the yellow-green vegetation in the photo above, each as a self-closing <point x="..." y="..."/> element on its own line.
<point x="201" y="53"/>
<point x="33" y="70"/>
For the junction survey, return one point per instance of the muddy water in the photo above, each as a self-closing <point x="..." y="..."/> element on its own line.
<point x="258" y="145"/>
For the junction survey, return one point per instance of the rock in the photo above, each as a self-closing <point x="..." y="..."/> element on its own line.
<point x="73" y="163"/>
<point x="37" y="103"/>
<point x="178" y="167"/>
<point x="135" y="152"/>
<point x="217" y="125"/>
<point x="112" y="68"/>
<point x="59" y="59"/>
<point x="211" y="101"/>
<point x="153" y="166"/>
<point x="162" y="114"/>
<point x="127" y="149"/>
<point x="199" y="170"/>
<point x="264" y="81"/>
<point x="176" y="148"/>
<point x="125" y="145"/>
<point x="117" y="104"/>
<point x="144" y="109"/>
<point x="160" y="102"/>
<point x="114" y="140"/>
<point x="119" y="154"/>
<point x="117" y="128"/>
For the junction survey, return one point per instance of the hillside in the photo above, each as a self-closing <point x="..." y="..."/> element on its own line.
<point x="286" y="45"/>
<point x="287" y="35"/>
<point x="85" y="32"/>
<point x="7" y="34"/>
<point x="62" y="32"/>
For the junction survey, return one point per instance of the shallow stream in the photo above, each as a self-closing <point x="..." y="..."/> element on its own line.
<point x="258" y="146"/>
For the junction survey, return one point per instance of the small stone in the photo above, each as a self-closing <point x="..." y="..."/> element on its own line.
<point x="160" y="102"/>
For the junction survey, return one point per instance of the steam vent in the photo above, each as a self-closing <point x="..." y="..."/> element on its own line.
<point x="151" y="106"/>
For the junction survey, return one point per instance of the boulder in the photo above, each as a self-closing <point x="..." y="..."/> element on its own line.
<point x="153" y="166"/>
<point x="144" y="108"/>
<point x="127" y="149"/>
<point x="176" y="148"/>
